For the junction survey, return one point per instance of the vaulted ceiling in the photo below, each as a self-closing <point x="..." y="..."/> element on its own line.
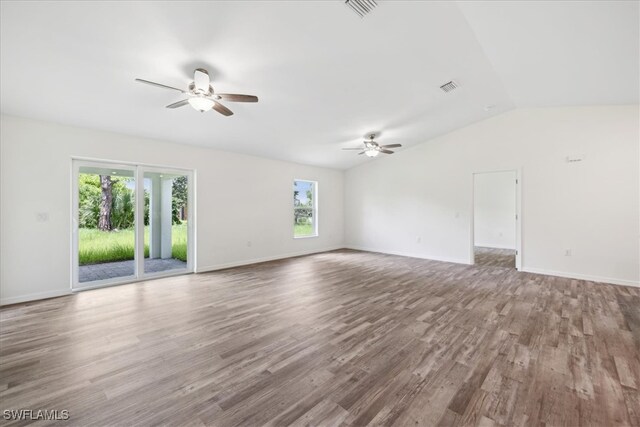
<point x="325" y="77"/>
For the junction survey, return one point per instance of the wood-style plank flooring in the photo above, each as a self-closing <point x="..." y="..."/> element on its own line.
<point x="493" y="257"/>
<point x="338" y="338"/>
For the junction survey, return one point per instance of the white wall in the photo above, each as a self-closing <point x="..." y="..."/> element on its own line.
<point x="239" y="198"/>
<point x="417" y="202"/>
<point x="494" y="213"/>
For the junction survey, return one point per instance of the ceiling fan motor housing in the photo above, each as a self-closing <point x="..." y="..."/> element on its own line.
<point x="195" y="91"/>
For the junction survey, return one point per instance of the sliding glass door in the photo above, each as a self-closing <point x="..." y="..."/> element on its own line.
<point x="129" y="222"/>
<point x="105" y="222"/>
<point x="166" y="218"/>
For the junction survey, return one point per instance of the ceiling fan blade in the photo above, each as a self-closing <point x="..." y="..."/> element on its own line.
<point x="201" y="79"/>
<point x="232" y="97"/>
<point x="359" y="148"/>
<point x="222" y="109"/>
<point x="159" y="85"/>
<point x="178" y="104"/>
<point x="386" y="151"/>
<point x="361" y="153"/>
<point x="391" y="146"/>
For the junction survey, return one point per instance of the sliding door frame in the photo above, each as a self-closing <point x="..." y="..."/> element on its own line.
<point x="138" y="170"/>
<point x="140" y="217"/>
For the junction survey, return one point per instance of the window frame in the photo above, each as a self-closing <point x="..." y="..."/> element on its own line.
<point x="314" y="209"/>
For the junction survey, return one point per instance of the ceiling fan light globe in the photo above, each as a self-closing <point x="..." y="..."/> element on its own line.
<point x="372" y="153"/>
<point x="201" y="104"/>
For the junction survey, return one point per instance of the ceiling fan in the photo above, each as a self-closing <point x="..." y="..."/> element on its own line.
<point x="372" y="148"/>
<point x="202" y="96"/>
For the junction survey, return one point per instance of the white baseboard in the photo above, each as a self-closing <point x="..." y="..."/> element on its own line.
<point x="481" y="245"/>
<point x="579" y="276"/>
<point x="58" y="293"/>
<point x="265" y="259"/>
<point x="33" y="297"/>
<point x="410" y="255"/>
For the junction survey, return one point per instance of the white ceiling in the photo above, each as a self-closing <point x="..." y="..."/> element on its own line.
<point x="324" y="76"/>
<point x="561" y="53"/>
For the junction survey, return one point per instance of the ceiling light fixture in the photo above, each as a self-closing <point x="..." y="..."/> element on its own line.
<point x="201" y="104"/>
<point x="372" y="152"/>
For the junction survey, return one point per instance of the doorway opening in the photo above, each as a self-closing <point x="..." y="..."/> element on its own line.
<point x="495" y="227"/>
<point x="129" y="222"/>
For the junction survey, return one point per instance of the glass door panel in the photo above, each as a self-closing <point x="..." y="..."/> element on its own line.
<point x="165" y="221"/>
<point x="105" y="234"/>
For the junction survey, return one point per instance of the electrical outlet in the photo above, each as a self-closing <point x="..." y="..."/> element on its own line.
<point x="419" y="239"/>
<point x="42" y="216"/>
<point x="567" y="252"/>
<point x="248" y="243"/>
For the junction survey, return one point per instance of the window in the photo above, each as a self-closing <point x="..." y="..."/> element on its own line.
<point x="305" y="211"/>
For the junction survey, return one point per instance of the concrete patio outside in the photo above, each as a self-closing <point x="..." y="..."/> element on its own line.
<point x="111" y="270"/>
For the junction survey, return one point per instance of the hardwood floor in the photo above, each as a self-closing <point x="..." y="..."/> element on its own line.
<point x="342" y="337"/>
<point x="493" y="257"/>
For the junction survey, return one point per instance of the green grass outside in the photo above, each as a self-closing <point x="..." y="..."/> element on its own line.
<point x="300" y="230"/>
<point x="97" y="246"/>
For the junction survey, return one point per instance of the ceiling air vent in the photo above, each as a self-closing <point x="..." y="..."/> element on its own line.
<point x="361" y="7"/>
<point x="448" y="87"/>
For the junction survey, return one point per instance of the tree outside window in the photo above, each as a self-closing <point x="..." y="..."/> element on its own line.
<point x="304" y="209"/>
